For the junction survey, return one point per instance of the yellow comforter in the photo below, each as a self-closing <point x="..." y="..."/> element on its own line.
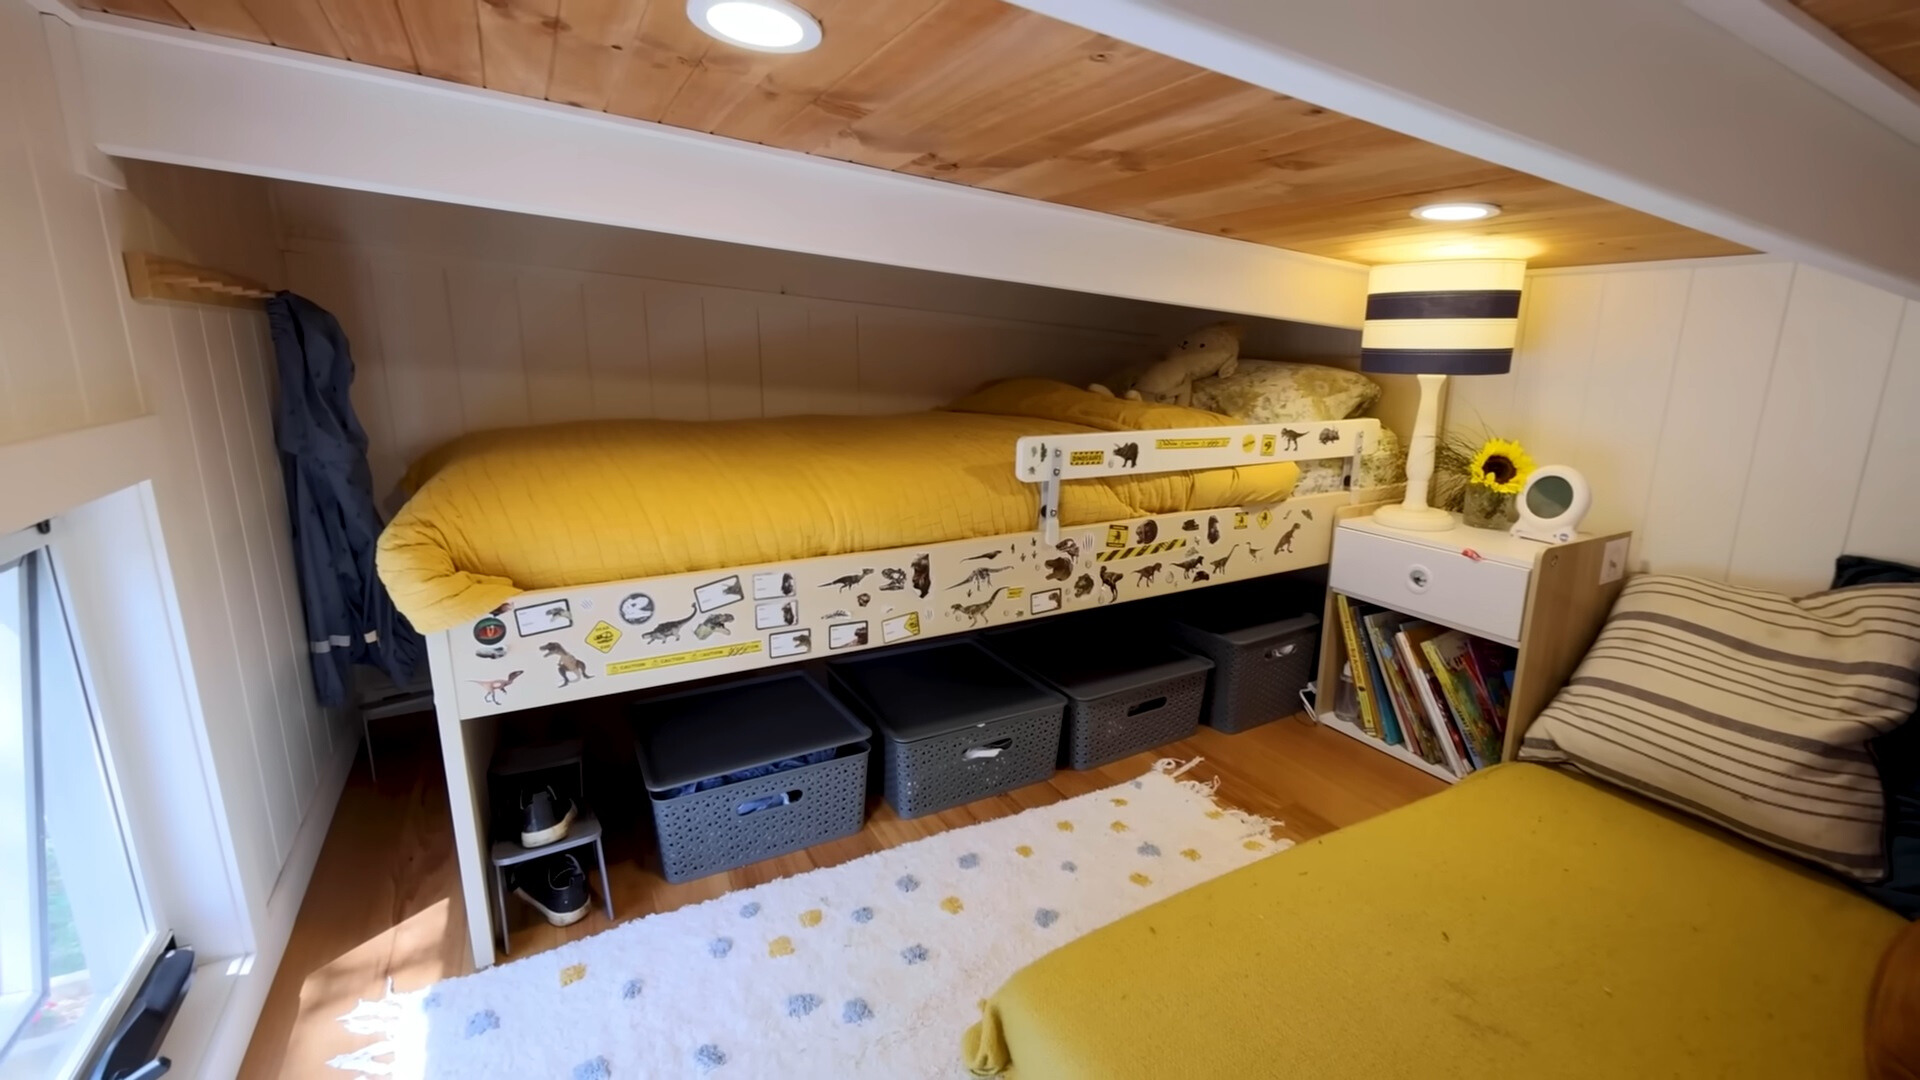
<point x="497" y="513"/>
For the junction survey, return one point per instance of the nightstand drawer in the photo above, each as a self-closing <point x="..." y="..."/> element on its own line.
<point x="1485" y="597"/>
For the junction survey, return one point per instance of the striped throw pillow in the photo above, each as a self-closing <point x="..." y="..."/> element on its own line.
<point x="1747" y="708"/>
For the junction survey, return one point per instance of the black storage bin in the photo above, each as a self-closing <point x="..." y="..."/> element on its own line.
<point x="956" y="722"/>
<point x="1126" y="692"/>
<point x="685" y="739"/>
<point x="1260" y="662"/>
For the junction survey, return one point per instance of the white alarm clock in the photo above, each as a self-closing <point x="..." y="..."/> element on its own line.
<point x="1551" y="505"/>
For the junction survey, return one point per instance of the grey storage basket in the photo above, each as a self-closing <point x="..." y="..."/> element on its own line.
<point x="956" y="723"/>
<point x="1125" y="693"/>
<point x="1259" y="667"/>
<point x="688" y="737"/>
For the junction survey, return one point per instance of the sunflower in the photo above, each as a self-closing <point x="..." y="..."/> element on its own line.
<point x="1502" y="465"/>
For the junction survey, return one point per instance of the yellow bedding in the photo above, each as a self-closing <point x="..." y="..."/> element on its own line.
<point x="1526" y="923"/>
<point x="497" y="513"/>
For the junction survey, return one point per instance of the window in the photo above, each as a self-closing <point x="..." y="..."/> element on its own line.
<point x="75" y="929"/>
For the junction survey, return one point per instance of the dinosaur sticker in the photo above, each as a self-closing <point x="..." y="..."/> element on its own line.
<point x="772" y="586"/>
<point x="492" y="690"/>
<point x="863" y="599"/>
<point x="893" y="579"/>
<point x="1329" y="435"/>
<point x="572" y="668"/>
<point x="1145" y="574"/>
<point x="923" y="576"/>
<point x="1286" y="539"/>
<point x="1213" y="530"/>
<point x="1042" y="602"/>
<point x="490" y="631"/>
<point x="791" y="643"/>
<point x="1188" y="566"/>
<point x="1128" y="455"/>
<point x="1068" y="547"/>
<point x="494" y="653"/>
<point x="636" y="609"/>
<point x="718" y="594"/>
<point x="713" y="624"/>
<point x="846" y="635"/>
<point x="542" y="618"/>
<point x="1292" y="437"/>
<point x="1082" y="586"/>
<point x="1059" y="569"/>
<point x="1144" y="532"/>
<point x="984" y="556"/>
<point x="1190" y="525"/>
<point x="1219" y="565"/>
<point x="847" y="582"/>
<point x="979" y="578"/>
<point x="669" y="631"/>
<point x="775" y="614"/>
<point x="976" y="614"/>
<point x="1111" y="579"/>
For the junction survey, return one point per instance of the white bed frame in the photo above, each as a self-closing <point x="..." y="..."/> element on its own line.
<point x="557" y="646"/>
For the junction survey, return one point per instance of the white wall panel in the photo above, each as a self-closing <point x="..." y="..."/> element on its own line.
<point x="1740" y="415"/>
<point x="1886" y="516"/>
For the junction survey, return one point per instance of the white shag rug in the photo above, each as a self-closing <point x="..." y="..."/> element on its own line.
<point x="868" y="969"/>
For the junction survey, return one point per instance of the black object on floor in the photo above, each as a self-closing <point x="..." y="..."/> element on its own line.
<point x="556" y="887"/>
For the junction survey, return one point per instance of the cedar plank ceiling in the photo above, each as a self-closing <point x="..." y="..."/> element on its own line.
<point x="1888" y="31"/>
<point x="983" y="93"/>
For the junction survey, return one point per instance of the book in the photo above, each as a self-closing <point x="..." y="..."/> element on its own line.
<point x="1357" y="660"/>
<point x="1380" y="626"/>
<point x="1492" y="670"/>
<point x="1408" y="641"/>
<point x="1448" y="654"/>
<point x="1376" y="673"/>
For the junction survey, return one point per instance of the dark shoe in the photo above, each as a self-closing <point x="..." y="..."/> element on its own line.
<point x="556" y="886"/>
<point x="545" y="818"/>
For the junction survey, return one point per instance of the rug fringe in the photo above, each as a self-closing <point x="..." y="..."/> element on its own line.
<point x="1172" y="768"/>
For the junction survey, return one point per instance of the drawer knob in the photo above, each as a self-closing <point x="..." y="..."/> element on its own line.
<point x="1418" y="578"/>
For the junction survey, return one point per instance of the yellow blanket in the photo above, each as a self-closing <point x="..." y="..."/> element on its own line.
<point x="497" y="513"/>
<point x="1525" y="923"/>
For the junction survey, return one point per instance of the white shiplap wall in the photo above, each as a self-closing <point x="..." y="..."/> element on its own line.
<point x="465" y="319"/>
<point x="1750" y="419"/>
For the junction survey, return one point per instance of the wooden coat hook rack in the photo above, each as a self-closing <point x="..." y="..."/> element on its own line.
<point x="151" y="277"/>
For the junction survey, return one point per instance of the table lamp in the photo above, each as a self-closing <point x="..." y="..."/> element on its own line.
<point x="1433" y="320"/>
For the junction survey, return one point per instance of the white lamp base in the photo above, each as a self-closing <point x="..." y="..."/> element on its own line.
<point x="1414" y="519"/>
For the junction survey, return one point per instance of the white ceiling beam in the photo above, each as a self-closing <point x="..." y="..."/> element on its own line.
<point x="187" y="99"/>
<point x="1640" y="102"/>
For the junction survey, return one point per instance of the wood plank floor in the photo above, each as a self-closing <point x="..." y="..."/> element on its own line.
<point x="383" y="904"/>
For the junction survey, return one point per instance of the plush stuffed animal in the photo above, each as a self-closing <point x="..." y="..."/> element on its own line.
<point x="1211" y="350"/>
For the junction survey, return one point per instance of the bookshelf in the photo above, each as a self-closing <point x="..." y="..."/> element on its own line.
<point x="1545" y="601"/>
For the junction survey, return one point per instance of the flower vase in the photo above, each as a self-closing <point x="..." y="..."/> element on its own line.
<point x="1485" y="508"/>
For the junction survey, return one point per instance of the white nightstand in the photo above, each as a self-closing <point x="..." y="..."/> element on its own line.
<point x="1546" y="600"/>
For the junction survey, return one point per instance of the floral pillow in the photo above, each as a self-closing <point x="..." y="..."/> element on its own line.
<point x="1283" y="392"/>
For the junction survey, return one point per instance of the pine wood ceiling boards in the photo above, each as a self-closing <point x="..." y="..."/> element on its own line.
<point x="1888" y="31"/>
<point x="982" y="93"/>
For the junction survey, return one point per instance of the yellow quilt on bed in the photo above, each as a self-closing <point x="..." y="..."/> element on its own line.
<point x="497" y="513"/>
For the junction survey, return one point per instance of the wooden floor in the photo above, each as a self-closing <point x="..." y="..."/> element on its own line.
<point x="383" y="903"/>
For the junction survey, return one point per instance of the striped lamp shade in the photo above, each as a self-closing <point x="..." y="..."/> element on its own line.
<point x="1442" y="318"/>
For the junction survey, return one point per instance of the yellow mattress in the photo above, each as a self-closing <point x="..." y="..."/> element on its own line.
<point x="497" y="513"/>
<point x="1526" y="923"/>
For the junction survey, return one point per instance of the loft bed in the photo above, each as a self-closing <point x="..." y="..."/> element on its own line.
<point x="767" y="542"/>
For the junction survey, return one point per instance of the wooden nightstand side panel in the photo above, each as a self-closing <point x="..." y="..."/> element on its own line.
<point x="1566" y="605"/>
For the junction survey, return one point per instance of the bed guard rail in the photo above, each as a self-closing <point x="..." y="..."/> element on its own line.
<point x="1047" y="460"/>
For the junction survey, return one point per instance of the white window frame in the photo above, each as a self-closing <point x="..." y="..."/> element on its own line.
<point x="45" y="598"/>
<point x="23" y="936"/>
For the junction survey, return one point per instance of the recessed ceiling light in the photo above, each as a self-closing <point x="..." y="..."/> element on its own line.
<point x="764" y="25"/>
<point x="1455" y="211"/>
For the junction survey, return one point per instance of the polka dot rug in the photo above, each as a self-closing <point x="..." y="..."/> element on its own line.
<point x="868" y="969"/>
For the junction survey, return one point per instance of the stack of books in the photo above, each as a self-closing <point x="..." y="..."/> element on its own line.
<point x="1439" y="693"/>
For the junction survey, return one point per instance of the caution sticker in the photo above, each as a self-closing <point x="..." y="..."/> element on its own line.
<point x="1118" y="535"/>
<point x="1239" y="519"/>
<point x="1192" y="444"/>
<point x="717" y="652"/>
<point x="1016" y="593"/>
<point x="1265" y="518"/>
<point x="901" y="626"/>
<point x="1143" y="549"/>
<point x="1086" y="457"/>
<point x="1246" y="443"/>
<point x="1267" y="444"/>
<point x="603" y="636"/>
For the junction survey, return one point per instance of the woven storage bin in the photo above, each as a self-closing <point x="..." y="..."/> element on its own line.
<point x="1260" y="664"/>
<point x="1125" y="692"/>
<point x="956" y="723"/>
<point x="688" y="737"/>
